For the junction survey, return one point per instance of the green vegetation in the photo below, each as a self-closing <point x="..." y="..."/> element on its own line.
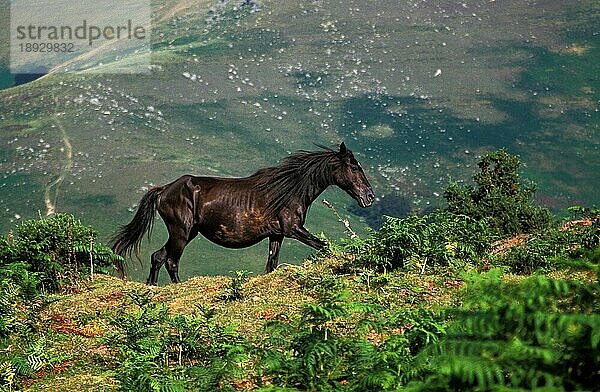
<point x="537" y="333"/>
<point x="440" y="239"/>
<point x="499" y="196"/>
<point x="459" y="299"/>
<point x="161" y="352"/>
<point x="41" y="257"/>
<point x="60" y="250"/>
<point x="234" y="290"/>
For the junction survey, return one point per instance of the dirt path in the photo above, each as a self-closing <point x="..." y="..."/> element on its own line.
<point x="183" y="5"/>
<point x="52" y="189"/>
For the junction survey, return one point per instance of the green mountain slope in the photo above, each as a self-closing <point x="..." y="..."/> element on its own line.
<point x="416" y="89"/>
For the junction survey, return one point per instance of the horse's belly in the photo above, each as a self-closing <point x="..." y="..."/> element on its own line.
<point x="239" y="231"/>
<point x="231" y="239"/>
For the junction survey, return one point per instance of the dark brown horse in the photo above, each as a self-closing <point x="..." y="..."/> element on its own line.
<point x="240" y="212"/>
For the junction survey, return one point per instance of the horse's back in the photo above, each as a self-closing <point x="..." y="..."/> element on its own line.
<point x="231" y="210"/>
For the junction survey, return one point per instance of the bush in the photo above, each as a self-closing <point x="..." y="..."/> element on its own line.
<point x="308" y="354"/>
<point x="234" y="289"/>
<point x="499" y="197"/>
<point x="393" y="362"/>
<point x="588" y="230"/>
<point x="337" y="344"/>
<point x="58" y="248"/>
<point x="536" y="253"/>
<point x="539" y="250"/>
<point x="438" y="240"/>
<point x="22" y="348"/>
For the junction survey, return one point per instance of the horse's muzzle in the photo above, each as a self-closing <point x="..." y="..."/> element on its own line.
<point x="367" y="199"/>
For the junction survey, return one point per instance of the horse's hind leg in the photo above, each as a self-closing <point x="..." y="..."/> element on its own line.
<point x="169" y="255"/>
<point x="174" y="248"/>
<point x="157" y="260"/>
<point x="178" y="239"/>
<point x="176" y="208"/>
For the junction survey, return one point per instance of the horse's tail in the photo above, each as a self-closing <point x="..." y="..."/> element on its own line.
<point x="129" y="237"/>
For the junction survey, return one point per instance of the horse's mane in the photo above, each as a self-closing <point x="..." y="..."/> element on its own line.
<point x="295" y="178"/>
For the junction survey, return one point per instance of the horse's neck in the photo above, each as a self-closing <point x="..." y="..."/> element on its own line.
<point x="313" y="192"/>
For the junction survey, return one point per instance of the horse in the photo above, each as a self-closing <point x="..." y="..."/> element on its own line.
<point x="240" y="212"/>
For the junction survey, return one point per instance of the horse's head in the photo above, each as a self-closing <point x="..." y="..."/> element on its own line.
<point x="351" y="178"/>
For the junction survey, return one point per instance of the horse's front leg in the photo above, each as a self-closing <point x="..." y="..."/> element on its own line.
<point x="301" y="234"/>
<point x="273" y="259"/>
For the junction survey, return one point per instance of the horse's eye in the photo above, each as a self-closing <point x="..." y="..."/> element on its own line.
<point x="354" y="168"/>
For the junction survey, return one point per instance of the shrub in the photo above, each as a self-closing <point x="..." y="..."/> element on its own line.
<point x="499" y="197"/>
<point x="234" y="289"/>
<point x="539" y="250"/>
<point x="22" y="347"/>
<point x="309" y="353"/>
<point x="438" y="239"/>
<point x="588" y="231"/>
<point x="58" y="248"/>
<point x="337" y="344"/>
<point x="24" y="361"/>
<point x="18" y="289"/>
<point x="536" y="253"/>
<point x="392" y="362"/>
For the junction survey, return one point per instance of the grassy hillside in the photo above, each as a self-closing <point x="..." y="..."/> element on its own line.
<point x="325" y="324"/>
<point x="80" y="321"/>
<point x="417" y="90"/>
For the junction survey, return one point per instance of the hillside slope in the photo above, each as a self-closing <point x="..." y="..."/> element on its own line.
<point x="81" y="321"/>
<point x="87" y="332"/>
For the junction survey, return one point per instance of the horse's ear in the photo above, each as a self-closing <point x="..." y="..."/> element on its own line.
<point x="343" y="149"/>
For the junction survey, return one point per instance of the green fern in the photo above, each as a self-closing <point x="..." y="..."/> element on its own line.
<point x="234" y="289"/>
<point x="161" y="352"/>
<point x="8" y="375"/>
<point x="540" y="332"/>
<point x="439" y="239"/>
